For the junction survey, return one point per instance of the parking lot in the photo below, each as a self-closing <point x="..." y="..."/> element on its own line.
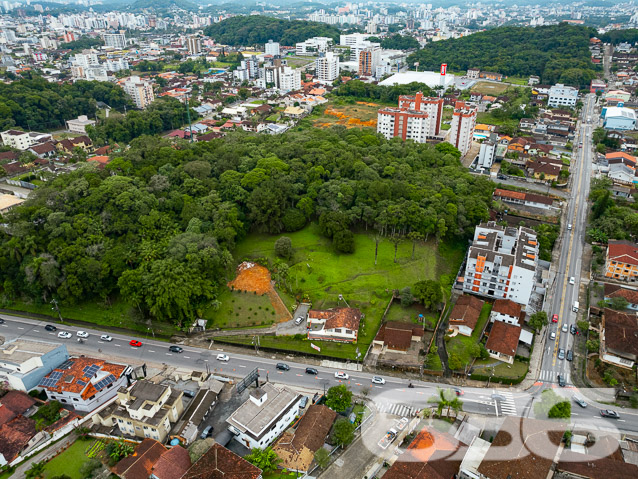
<point x="289" y="328"/>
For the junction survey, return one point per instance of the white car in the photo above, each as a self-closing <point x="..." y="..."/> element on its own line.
<point x="378" y="380"/>
<point x="106" y="337"/>
<point x="564" y="328"/>
<point x="223" y="357"/>
<point x="341" y="375"/>
<point x="571" y="280"/>
<point x="64" y="335"/>
<point x="82" y="334"/>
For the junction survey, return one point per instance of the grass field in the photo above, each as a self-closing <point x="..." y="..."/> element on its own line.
<point x="461" y="346"/>
<point x="69" y="462"/>
<point x="487" y="118"/>
<point x="411" y="314"/>
<point x="489" y="88"/>
<point x="357" y="115"/>
<point x="240" y="309"/>
<point x="322" y="274"/>
<point x="504" y="370"/>
<point x="518" y="81"/>
<point x="297" y="62"/>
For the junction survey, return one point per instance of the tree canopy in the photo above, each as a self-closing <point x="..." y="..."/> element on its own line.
<point x="620" y="36"/>
<point x="397" y="42"/>
<point x="258" y="29"/>
<point x="339" y="398"/>
<point x="556" y="53"/>
<point x="82" y="43"/>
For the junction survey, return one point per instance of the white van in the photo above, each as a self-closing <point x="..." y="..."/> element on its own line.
<point x="575" y="307"/>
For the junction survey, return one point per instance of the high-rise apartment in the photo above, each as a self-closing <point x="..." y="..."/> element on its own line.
<point x="141" y="91"/>
<point x="327" y="66"/>
<point x="463" y="123"/>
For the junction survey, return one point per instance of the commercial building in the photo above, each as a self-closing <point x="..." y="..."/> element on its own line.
<point x="264" y="416"/>
<point x="462" y="129"/>
<point x="194" y="45"/>
<point x="338" y="324"/>
<point x="619" y="118"/>
<point x="24" y="363"/>
<point x="79" y="124"/>
<point x="327" y="67"/>
<point x="561" y="95"/>
<point x="621" y="262"/>
<point x="487" y="153"/>
<point x="22" y="140"/>
<point x="417" y="118"/>
<point x="84" y="383"/>
<point x="115" y="40"/>
<point x="597" y="86"/>
<point x="272" y="48"/>
<point x="141" y="91"/>
<point x="369" y="59"/>
<point x="618" y="344"/>
<point x="502" y="263"/>
<point x="431" y="79"/>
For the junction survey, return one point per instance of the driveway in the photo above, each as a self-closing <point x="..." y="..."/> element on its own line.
<point x="289" y="328"/>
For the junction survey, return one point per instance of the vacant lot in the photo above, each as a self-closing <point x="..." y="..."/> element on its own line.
<point x="297" y="62"/>
<point x="489" y="88"/>
<point x="356" y="115"/>
<point x="241" y="309"/>
<point x="415" y="313"/>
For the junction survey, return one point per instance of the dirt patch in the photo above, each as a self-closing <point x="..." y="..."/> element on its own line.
<point x="367" y="103"/>
<point x="347" y="120"/>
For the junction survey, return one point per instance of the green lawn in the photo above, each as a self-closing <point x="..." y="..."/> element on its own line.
<point x="240" y="309"/>
<point x="69" y="462"/>
<point x="513" y="371"/>
<point x="517" y="80"/>
<point x="487" y="117"/>
<point x="461" y="346"/>
<point x="411" y="314"/>
<point x="289" y="343"/>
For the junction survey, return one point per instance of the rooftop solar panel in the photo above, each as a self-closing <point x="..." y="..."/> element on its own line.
<point x="66" y="364"/>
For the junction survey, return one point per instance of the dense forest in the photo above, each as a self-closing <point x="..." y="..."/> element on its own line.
<point x="556" y="53"/>
<point x="37" y="104"/>
<point x="357" y="89"/>
<point x="82" y="44"/>
<point x="397" y="42"/>
<point x="255" y="30"/>
<point x="158" y="224"/>
<point x="619" y="36"/>
<point x="611" y="219"/>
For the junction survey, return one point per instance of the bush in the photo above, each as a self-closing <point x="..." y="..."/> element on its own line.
<point x="344" y="241"/>
<point x="90" y="467"/>
<point x="283" y="247"/>
<point x="293" y="220"/>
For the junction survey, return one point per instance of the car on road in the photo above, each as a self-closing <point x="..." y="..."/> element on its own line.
<point x="552" y="335"/>
<point x="580" y="401"/>
<point x="223" y="357"/>
<point x="82" y="334"/>
<point x="561" y="353"/>
<point x="572" y="280"/>
<point x="1" y="321"/>
<point x="282" y="367"/>
<point x="299" y="320"/>
<point x="502" y="177"/>
<point x="206" y="432"/>
<point x="135" y="343"/>
<point x="570" y="355"/>
<point x="175" y="349"/>
<point x="64" y="335"/>
<point x="555" y="318"/>
<point x="564" y="328"/>
<point x="561" y="381"/>
<point x="304" y="402"/>
<point x="573" y="329"/>
<point x="378" y="380"/>
<point x="386" y="440"/>
<point x="50" y="327"/>
<point x="609" y="413"/>
<point x="458" y="391"/>
<point x="106" y="337"/>
<point x="402" y="423"/>
<point x="498" y="397"/>
<point x="312" y="371"/>
<point x="341" y="375"/>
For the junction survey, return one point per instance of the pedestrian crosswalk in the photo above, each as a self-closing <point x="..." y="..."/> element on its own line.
<point x="397" y="409"/>
<point x="507" y="407"/>
<point x="552" y="376"/>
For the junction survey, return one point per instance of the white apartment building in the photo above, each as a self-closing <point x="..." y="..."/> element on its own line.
<point x="272" y="48"/>
<point x="22" y="140"/>
<point x="314" y="46"/>
<point x="463" y="123"/>
<point x="417" y="118"/>
<point x="327" y="66"/>
<point x="264" y="416"/>
<point x="116" y="64"/>
<point x="283" y="77"/>
<point x="502" y="263"/>
<point x="115" y="40"/>
<point x="141" y="91"/>
<point x="79" y="124"/>
<point x="194" y="45"/>
<point x="486" y="154"/>
<point x="561" y="95"/>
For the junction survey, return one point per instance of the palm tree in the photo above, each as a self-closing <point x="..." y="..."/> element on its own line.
<point x="457" y="405"/>
<point x="446" y="399"/>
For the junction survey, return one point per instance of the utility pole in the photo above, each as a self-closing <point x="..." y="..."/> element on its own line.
<point x="54" y="302"/>
<point x="188" y="118"/>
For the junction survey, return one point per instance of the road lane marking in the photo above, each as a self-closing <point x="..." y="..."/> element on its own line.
<point x="20" y="327"/>
<point x="151" y="351"/>
<point x="36" y="330"/>
<point x="300" y="375"/>
<point x="242" y="366"/>
<point x="117" y="345"/>
<point x="168" y="354"/>
<point x="187" y="357"/>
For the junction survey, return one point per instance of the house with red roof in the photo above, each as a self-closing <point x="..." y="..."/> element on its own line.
<point x="619" y="338"/>
<point x="221" y="463"/>
<point x="630" y="295"/>
<point x="338" y="324"/>
<point x="465" y="314"/>
<point x="507" y="311"/>
<point x="503" y="341"/>
<point x="621" y="261"/>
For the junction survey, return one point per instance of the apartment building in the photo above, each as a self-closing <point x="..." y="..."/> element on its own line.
<point x="621" y="261"/>
<point x="487" y="153"/>
<point x="144" y="410"/>
<point x="502" y="263"/>
<point x="327" y="66"/>
<point x="194" y="45"/>
<point x="79" y="124"/>
<point x="462" y="129"/>
<point x="313" y="46"/>
<point x="22" y="140"/>
<point x="24" y="363"/>
<point x="141" y="91"/>
<point x="417" y="118"/>
<point x="115" y="40"/>
<point x="283" y="77"/>
<point x="272" y="48"/>
<point x="561" y="95"/>
<point x="369" y="59"/>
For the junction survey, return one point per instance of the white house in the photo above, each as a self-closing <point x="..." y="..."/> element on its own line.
<point x="79" y="124"/>
<point x="502" y="341"/>
<point x="507" y="311"/>
<point x="22" y="140"/>
<point x="339" y="324"/>
<point x="465" y="314"/>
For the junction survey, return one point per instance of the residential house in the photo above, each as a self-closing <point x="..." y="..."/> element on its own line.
<point x="172" y="464"/>
<point x="17" y="435"/>
<point x="101" y="161"/>
<point x="151" y="459"/>
<point x="465" y="314"/>
<point x="432" y="454"/>
<point x="8" y="202"/>
<point x="621" y="261"/>
<point x="197" y="412"/>
<point x="263" y="417"/>
<point x="544" y="169"/>
<point x="533" y="80"/>
<point x="297" y="449"/>
<point x="220" y="463"/>
<point x="144" y="410"/>
<point x="523" y="448"/>
<point x="532" y="200"/>
<point x="577" y="465"/>
<point x="43" y="150"/>
<point x="84" y="383"/>
<point x="295" y="112"/>
<point x="622" y="173"/>
<point x="338" y="324"/>
<point x="473" y="73"/>
<point x="397" y="337"/>
<point x="526" y="123"/>
<point x="616" y="291"/>
<point x="618" y="344"/>
<point x="507" y="311"/>
<point x="503" y="341"/>
<point x="25" y="362"/>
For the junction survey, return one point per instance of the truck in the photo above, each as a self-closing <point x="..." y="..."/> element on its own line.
<point x="389" y="437"/>
<point x="575" y="307"/>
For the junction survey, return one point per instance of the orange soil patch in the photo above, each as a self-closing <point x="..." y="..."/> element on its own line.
<point x="255" y="277"/>
<point x="346" y="120"/>
<point x="367" y="103"/>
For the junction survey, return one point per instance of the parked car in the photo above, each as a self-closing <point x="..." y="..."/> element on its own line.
<point x="378" y="380"/>
<point x="561" y="353"/>
<point x="223" y="357"/>
<point x="299" y="320"/>
<point x="64" y="335"/>
<point x="570" y="355"/>
<point x="564" y="328"/>
<point x="552" y="335"/>
<point x="573" y="329"/>
<point x="82" y="334"/>
<point x="190" y="393"/>
<point x="50" y="327"/>
<point x="135" y="343"/>
<point x="561" y="381"/>
<point x="206" y="432"/>
<point x="572" y="280"/>
<point x="580" y="401"/>
<point x="282" y="367"/>
<point x="304" y="402"/>
<point x="1" y="321"/>
<point x="106" y="337"/>
<point x="341" y="375"/>
<point x="175" y="349"/>
<point x="609" y="413"/>
<point x="555" y="318"/>
<point x="312" y="371"/>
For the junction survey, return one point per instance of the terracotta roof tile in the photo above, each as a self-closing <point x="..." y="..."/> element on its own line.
<point x="139" y="464"/>
<point x="466" y="311"/>
<point x="508" y="307"/>
<point x="592" y="467"/>
<point x="220" y="463"/>
<point x="338" y="318"/>
<point x="397" y="335"/>
<point x="76" y="372"/>
<point x="623" y="252"/>
<point x="503" y="338"/>
<point x="620" y="331"/>
<point x="17" y="401"/>
<point x="15" y="435"/>
<point x="617" y="291"/>
<point x="172" y="464"/>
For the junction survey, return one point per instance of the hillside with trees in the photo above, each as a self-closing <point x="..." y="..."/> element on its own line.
<point x="37" y="104"/>
<point x="255" y="30"/>
<point x="158" y="225"/>
<point x="619" y="36"/>
<point x="556" y="53"/>
<point x="397" y="42"/>
<point x="82" y="43"/>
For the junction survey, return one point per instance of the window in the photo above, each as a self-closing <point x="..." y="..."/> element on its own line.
<point x="129" y="423"/>
<point x="75" y="399"/>
<point x="63" y="400"/>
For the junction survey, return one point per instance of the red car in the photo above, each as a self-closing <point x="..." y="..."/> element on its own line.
<point x="135" y="343"/>
<point x="555" y="318"/>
